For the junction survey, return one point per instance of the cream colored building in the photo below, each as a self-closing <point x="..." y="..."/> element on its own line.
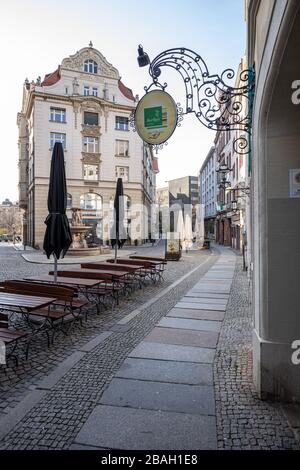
<point x="162" y="196"/>
<point x="84" y="105"/>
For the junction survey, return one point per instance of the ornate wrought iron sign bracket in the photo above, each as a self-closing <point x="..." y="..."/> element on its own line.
<point x="216" y="104"/>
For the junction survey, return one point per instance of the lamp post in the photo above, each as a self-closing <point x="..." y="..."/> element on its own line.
<point x="234" y="206"/>
<point x="14" y="233"/>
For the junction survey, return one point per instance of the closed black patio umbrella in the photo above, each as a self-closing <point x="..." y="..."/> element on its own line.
<point x="58" y="237"/>
<point x="118" y="237"/>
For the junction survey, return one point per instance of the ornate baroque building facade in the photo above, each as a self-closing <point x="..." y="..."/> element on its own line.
<point x="85" y="106"/>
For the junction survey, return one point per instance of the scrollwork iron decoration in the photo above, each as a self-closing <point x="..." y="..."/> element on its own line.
<point x="216" y="104"/>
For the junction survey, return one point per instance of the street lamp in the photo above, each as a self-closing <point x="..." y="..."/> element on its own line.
<point x="223" y="168"/>
<point x="143" y="58"/>
<point x="234" y="206"/>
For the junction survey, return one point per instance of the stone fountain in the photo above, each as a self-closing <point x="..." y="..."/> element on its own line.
<point x="79" y="245"/>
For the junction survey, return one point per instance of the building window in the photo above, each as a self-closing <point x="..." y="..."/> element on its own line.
<point x="122" y="123"/>
<point x="57" y="115"/>
<point x="122" y="148"/>
<point x="122" y="172"/>
<point x="90" y="66"/>
<point x="90" y="172"/>
<point x="69" y="201"/>
<point x="91" y="201"/>
<point x="127" y="202"/>
<point x="91" y="119"/>
<point x="86" y="90"/>
<point x="91" y="144"/>
<point x="95" y="91"/>
<point x="66" y="90"/>
<point x="57" y="137"/>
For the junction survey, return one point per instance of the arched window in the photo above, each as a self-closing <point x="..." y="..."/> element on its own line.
<point x="91" y="201"/>
<point x="90" y="66"/>
<point x="127" y="203"/>
<point x="69" y="201"/>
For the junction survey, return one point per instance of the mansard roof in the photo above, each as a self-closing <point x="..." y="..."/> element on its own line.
<point x="51" y="78"/>
<point x="127" y="92"/>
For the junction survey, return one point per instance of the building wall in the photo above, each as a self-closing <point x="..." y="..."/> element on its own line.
<point x="184" y="190"/>
<point x="208" y="184"/>
<point x="67" y="92"/>
<point x="275" y="215"/>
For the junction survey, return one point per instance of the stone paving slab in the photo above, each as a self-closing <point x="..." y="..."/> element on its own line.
<point x="197" y="314"/>
<point x="190" y="324"/>
<point x="204" y="339"/>
<point x="200" y="306"/>
<point x="218" y="286"/>
<point x="214" y="282"/>
<point x="166" y="371"/>
<point x="213" y="287"/>
<point x="195" y="399"/>
<point x="170" y="352"/>
<point x="207" y="295"/>
<point x="125" y="428"/>
<point x="214" y="291"/>
<point x="223" y="275"/>
<point x="206" y="300"/>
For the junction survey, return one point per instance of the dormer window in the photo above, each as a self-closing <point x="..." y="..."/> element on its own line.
<point x="90" y="66"/>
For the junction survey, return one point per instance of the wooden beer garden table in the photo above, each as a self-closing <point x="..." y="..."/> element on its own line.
<point x="24" y="305"/>
<point x="90" y="288"/>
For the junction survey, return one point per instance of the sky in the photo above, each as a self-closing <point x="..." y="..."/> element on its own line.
<point x="35" y="35"/>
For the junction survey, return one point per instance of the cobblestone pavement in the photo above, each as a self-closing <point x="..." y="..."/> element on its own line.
<point x="56" y="419"/>
<point x="243" y="420"/>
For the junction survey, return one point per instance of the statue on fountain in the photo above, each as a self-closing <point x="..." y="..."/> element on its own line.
<point x="76" y="217"/>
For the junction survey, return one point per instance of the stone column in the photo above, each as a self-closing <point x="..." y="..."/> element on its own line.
<point x="275" y="214"/>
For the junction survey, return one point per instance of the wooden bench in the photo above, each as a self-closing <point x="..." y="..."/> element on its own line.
<point x="10" y="338"/>
<point x="113" y="283"/>
<point x="54" y="315"/>
<point x="105" y="288"/>
<point x="149" y="269"/>
<point x="149" y="258"/>
<point x="135" y="272"/>
<point x="159" y="263"/>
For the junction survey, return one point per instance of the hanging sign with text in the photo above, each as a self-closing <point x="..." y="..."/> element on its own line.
<point x="156" y="117"/>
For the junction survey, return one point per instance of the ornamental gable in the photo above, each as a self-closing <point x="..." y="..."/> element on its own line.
<point x="76" y="62"/>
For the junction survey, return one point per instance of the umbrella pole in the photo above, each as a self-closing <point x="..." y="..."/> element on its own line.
<point x="116" y="251"/>
<point x="55" y="268"/>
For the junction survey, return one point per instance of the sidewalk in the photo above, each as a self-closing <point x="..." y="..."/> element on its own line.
<point x="169" y="369"/>
<point x="162" y="397"/>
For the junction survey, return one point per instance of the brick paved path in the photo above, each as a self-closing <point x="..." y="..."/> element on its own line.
<point x="243" y="420"/>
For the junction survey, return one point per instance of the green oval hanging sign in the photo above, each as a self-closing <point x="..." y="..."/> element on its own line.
<point x="156" y="117"/>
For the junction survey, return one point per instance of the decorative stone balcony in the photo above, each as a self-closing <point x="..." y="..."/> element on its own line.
<point x="91" y="131"/>
<point x="91" y="158"/>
